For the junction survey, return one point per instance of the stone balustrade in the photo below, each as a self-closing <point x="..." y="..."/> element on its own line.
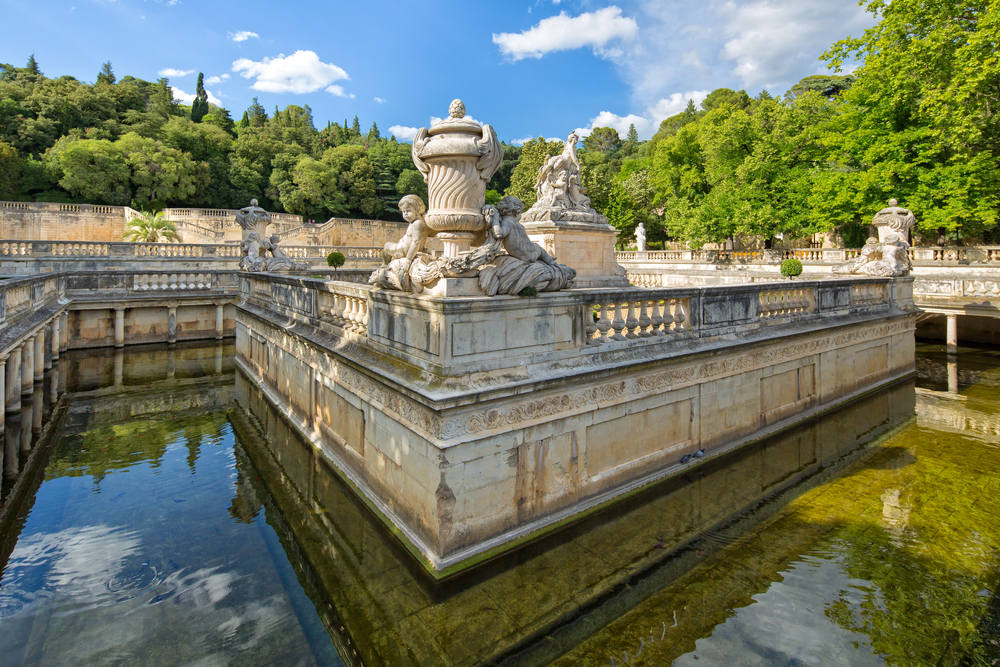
<point x="33" y="256"/>
<point x="919" y="255"/>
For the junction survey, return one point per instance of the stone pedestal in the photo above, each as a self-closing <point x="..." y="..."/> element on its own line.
<point x="455" y="287"/>
<point x="586" y="245"/>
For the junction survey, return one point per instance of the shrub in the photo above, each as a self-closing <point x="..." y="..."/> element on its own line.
<point x="791" y="267"/>
<point x="335" y="259"/>
<point x="528" y="291"/>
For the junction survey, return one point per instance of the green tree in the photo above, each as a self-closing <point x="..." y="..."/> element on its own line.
<point x="199" y="107"/>
<point x="106" y="75"/>
<point x="221" y="119"/>
<point x="411" y="182"/>
<point x="723" y="96"/>
<point x="603" y="140"/>
<point x="525" y="174"/>
<point x="93" y="169"/>
<point x="10" y="171"/>
<point x="255" y="115"/>
<point x="922" y="122"/>
<point x="149" y="227"/>
<point x="827" y="85"/>
<point x="159" y="174"/>
<point x="373" y="133"/>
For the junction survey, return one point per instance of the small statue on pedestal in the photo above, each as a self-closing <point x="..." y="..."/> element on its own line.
<point x="640" y="238"/>
<point x="887" y="255"/>
<point x="256" y="244"/>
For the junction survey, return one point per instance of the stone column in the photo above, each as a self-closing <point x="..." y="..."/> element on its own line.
<point x="171" y="363"/>
<point x="172" y="324"/>
<point x="952" y="336"/>
<point x="46" y="355"/>
<point x="218" y="358"/>
<point x="218" y="321"/>
<point x="39" y="356"/>
<point x="54" y="388"/>
<point x="119" y="326"/>
<point x="64" y="328"/>
<point x="55" y="340"/>
<point x="28" y="367"/>
<point x="12" y="389"/>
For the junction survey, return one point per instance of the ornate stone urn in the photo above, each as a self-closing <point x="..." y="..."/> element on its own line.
<point x="457" y="157"/>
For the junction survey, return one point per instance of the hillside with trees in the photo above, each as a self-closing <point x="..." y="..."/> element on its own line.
<point x="918" y="120"/>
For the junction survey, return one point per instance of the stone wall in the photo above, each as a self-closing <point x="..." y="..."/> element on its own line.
<point x="34" y="221"/>
<point x="40" y="221"/>
<point x="470" y="429"/>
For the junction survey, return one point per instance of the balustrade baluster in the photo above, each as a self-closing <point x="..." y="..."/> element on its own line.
<point x="644" y="320"/>
<point x="617" y="323"/>
<point x="631" y="323"/>
<point x="603" y="324"/>
<point x="656" y="318"/>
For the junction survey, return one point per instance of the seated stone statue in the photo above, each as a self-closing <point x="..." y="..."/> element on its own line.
<point x="888" y="258"/>
<point x="279" y="260"/>
<point x="413" y="209"/>
<point x="508" y="229"/>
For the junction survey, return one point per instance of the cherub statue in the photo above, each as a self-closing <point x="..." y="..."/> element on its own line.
<point x="506" y="227"/>
<point x="413" y="209"/>
<point x="279" y="260"/>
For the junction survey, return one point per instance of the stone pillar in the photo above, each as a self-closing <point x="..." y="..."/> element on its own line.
<point x="171" y="363"/>
<point x="952" y="336"/>
<point x="12" y="446"/>
<point x="27" y="420"/>
<point x="55" y="340"/>
<point x="12" y="389"/>
<point x="39" y="356"/>
<point x="28" y="367"/>
<point x="119" y="326"/>
<point x="64" y="328"/>
<point x="172" y="324"/>
<point x="218" y="358"/>
<point x="54" y="388"/>
<point x="218" y="321"/>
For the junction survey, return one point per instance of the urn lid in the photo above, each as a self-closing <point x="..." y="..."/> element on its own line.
<point x="456" y="123"/>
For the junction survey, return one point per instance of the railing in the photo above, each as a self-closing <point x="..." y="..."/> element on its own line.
<point x="924" y="256"/>
<point x="774" y="303"/>
<point x="648" y="317"/>
<point x="171" y="213"/>
<point x="341" y="306"/>
<point x="314" y="230"/>
<point x="45" y="249"/>
<point x="171" y="282"/>
<point x="61" y="208"/>
<point x="18" y="296"/>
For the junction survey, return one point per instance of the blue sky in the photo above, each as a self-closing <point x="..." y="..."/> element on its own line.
<point x="529" y="68"/>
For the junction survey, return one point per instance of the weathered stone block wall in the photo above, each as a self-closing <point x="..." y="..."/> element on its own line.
<point x="61" y="222"/>
<point x="95" y="327"/>
<point x="458" y="479"/>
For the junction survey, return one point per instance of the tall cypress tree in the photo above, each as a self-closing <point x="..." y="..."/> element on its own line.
<point x="106" y="75"/>
<point x="32" y="65"/>
<point x="200" y="105"/>
<point x="356" y="127"/>
<point x="373" y="133"/>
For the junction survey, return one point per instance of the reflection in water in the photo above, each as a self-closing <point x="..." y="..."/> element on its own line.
<point x="128" y="554"/>
<point x="170" y="531"/>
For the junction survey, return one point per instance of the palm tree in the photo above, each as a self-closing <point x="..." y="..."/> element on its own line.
<point x="149" y="227"/>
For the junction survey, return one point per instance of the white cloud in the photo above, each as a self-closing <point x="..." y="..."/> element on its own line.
<point x="773" y="41"/>
<point x="212" y="80"/>
<point x="170" y="71"/>
<point x="403" y="132"/>
<point x="339" y="92"/>
<point x="243" y="35"/>
<point x="379" y="100"/>
<point x="558" y="33"/>
<point x="188" y="98"/>
<point x="647" y="124"/>
<point x="301" y="72"/>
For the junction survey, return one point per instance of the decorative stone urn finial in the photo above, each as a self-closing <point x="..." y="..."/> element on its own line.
<point x="457" y="157"/>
